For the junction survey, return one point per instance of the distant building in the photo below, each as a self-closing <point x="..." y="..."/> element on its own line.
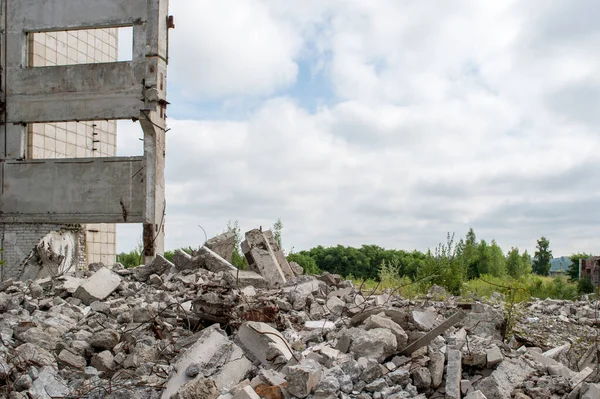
<point x="590" y="267"/>
<point x="559" y="266"/>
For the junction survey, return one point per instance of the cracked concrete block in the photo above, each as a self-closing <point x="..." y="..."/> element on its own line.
<point x="436" y="367"/>
<point x="476" y="395"/>
<point x="303" y="378"/>
<point x="212" y="261"/>
<point x="279" y="255"/>
<point x="424" y="320"/>
<point x="377" y="343"/>
<point x="264" y="343"/>
<point x="502" y="382"/>
<point x="48" y="385"/>
<point x="264" y="263"/>
<point x="453" y="374"/>
<point x="246" y="393"/>
<point x="379" y="321"/>
<point x="223" y="245"/>
<point x="249" y="278"/>
<point x="215" y="356"/>
<point x="493" y="356"/>
<point x="98" y="287"/>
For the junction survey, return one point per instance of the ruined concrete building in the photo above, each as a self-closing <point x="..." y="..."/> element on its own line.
<point x="590" y="267"/>
<point x="62" y="91"/>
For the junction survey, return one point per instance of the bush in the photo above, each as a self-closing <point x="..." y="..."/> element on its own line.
<point x="132" y="259"/>
<point x="585" y="286"/>
<point x="308" y="264"/>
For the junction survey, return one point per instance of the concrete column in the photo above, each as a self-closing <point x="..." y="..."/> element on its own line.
<point x="153" y="124"/>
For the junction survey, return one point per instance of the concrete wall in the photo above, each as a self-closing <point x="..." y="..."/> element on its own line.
<point x="20" y="241"/>
<point x="77" y="139"/>
<point x="77" y="82"/>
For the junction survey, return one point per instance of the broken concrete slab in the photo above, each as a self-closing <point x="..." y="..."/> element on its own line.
<point x="212" y="261"/>
<point x="265" y="263"/>
<point x="264" y="259"/>
<point x="476" y="395"/>
<point x="296" y="268"/>
<point x="48" y="385"/>
<point x="279" y="255"/>
<point x="210" y="348"/>
<point x="378" y="343"/>
<point x="303" y="378"/>
<point x="431" y="335"/>
<point x="158" y="266"/>
<point x="379" y="321"/>
<point x="246" y="393"/>
<point x="245" y="278"/>
<point x="424" y="320"/>
<point x="98" y="287"/>
<point x="223" y="245"/>
<point x="493" y="356"/>
<point x="265" y="343"/>
<point x="503" y="381"/>
<point x="453" y="374"/>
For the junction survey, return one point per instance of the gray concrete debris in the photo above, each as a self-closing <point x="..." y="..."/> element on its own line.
<point x="264" y="259"/>
<point x="493" y="356"/>
<point x="265" y="343"/>
<point x="424" y="320"/>
<point x="503" y="381"/>
<point x="317" y="335"/>
<point x="378" y="343"/>
<point x="222" y="245"/>
<point x="381" y="321"/>
<point x="98" y="287"/>
<point x="476" y="395"/>
<point x="453" y="374"/>
<point x="48" y="384"/>
<point x="212" y="261"/>
<point x="296" y="268"/>
<point x="303" y="378"/>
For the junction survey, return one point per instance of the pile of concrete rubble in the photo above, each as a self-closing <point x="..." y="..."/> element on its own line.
<point x="200" y="328"/>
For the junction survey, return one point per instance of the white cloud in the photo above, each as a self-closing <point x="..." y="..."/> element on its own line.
<point x="444" y="116"/>
<point x="230" y="48"/>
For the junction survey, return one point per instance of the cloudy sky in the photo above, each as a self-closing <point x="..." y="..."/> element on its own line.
<point x="383" y="122"/>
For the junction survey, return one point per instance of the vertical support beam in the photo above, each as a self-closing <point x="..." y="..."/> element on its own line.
<point x="154" y="126"/>
<point x="14" y="53"/>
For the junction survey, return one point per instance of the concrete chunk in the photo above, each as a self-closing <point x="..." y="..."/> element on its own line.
<point x="265" y="259"/>
<point x="98" y="287"/>
<point x="493" y="356"/>
<point x="303" y="378"/>
<point x="502" y="382"/>
<point x="476" y="395"/>
<point x="48" y="384"/>
<point x="222" y="245"/>
<point x="430" y="336"/>
<point x="424" y="320"/>
<point x="246" y="393"/>
<point x="264" y="342"/>
<point x="210" y="260"/>
<point x="453" y="374"/>
<point x="264" y="262"/>
<point x="208" y="353"/>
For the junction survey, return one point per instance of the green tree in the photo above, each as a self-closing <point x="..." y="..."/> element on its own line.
<point x="237" y="259"/>
<point x="517" y="265"/>
<point x="468" y="254"/>
<point x="526" y="262"/>
<point x="307" y="263"/>
<point x="573" y="271"/>
<point x="443" y="267"/>
<point x="542" y="257"/>
<point x="277" y="227"/>
<point x="497" y="266"/>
